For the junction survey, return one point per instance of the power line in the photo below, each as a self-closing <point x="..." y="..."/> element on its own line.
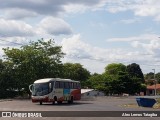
<point x="11" y="42"/>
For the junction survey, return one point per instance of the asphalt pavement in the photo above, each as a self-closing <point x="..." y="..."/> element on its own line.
<point x="88" y="106"/>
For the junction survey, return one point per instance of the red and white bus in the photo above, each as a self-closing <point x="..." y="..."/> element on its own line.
<point x="55" y="89"/>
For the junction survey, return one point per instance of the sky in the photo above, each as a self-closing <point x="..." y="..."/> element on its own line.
<point x="94" y="33"/>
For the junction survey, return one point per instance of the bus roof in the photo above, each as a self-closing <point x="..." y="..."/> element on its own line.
<point x="53" y="79"/>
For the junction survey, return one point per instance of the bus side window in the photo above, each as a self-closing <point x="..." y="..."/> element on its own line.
<point x="74" y="85"/>
<point x="70" y="85"/>
<point x="57" y="85"/>
<point x="78" y="85"/>
<point x="66" y="85"/>
<point x="61" y="85"/>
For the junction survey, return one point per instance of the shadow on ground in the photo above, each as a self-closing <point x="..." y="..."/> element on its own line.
<point x="65" y="104"/>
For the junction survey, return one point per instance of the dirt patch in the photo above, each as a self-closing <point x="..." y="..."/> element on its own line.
<point x="157" y="104"/>
<point x="132" y="105"/>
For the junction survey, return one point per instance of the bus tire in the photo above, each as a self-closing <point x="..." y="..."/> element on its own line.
<point x="40" y="102"/>
<point x="71" y="100"/>
<point x="55" y="98"/>
<point x="59" y="102"/>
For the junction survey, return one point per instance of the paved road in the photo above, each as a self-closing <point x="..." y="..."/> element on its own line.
<point x="96" y="104"/>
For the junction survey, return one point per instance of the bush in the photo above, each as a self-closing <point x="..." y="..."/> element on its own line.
<point x="7" y="94"/>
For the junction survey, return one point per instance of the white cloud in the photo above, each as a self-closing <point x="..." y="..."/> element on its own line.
<point x="15" y="30"/>
<point x="74" y="8"/>
<point x="54" y="26"/>
<point x="153" y="47"/>
<point x="146" y="37"/>
<point x="83" y="5"/>
<point x="12" y="28"/>
<point x="21" y="9"/>
<point x="145" y="46"/>
<point x="17" y="13"/>
<point x="75" y="48"/>
<point x="116" y="9"/>
<point x="13" y="41"/>
<point x="148" y="8"/>
<point x="139" y="7"/>
<point x="150" y="43"/>
<point x="135" y="44"/>
<point x="78" y="51"/>
<point x="48" y="7"/>
<point x="115" y="6"/>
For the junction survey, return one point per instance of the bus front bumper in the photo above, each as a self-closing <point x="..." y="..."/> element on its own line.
<point x="40" y="99"/>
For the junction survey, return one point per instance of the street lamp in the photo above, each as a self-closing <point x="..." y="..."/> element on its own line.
<point x="155" y="82"/>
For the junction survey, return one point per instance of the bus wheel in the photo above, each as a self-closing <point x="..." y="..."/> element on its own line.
<point x="59" y="102"/>
<point x="53" y="102"/>
<point x="71" y="100"/>
<point x="55" y="98"/>
<point x="40" y="102"/>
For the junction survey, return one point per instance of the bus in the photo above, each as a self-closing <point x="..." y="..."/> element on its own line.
<point x="55" y="90"/>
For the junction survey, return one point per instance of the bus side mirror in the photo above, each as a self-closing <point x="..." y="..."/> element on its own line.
<point x="30" y="87"/>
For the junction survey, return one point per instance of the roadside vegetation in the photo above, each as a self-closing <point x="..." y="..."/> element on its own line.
<point x="20" y="67"/>
<point x="157" y="104"/>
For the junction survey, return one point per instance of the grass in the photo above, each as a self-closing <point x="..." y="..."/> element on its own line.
<point x="157" y="104"/>
<point x="130" y="105"/>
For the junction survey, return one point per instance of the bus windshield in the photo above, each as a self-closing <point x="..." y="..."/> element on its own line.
<point x="40" y="89"/>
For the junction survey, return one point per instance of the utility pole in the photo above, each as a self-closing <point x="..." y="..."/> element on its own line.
<point x="155" y="82"/>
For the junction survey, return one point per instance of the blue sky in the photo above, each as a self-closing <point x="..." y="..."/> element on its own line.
<point x="94" y="33"/>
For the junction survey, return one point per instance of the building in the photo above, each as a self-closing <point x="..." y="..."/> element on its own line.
<point x="91" y="93"/>
<point x="151" y="89"/>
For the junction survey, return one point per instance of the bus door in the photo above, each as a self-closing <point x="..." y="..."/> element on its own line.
<point x="66" y="91"/>
<point x="58" y="89"/>
<point x="51" y="90"/>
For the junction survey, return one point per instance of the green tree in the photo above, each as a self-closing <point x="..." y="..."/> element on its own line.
<point x="123" y="83"/>
<point x="124" y="79"/>
<point x="34" y="61"/>
<point x="99" y="81"/>
<point x="75" y="71"/>
<point x="114" y="84"/>
<point x="158" y="77"/>
<point x="143" y="87"/>
<point x="7" y="82"/>
<point x="135" y="71"/>
<point x="149" y="78"/>
<point x="114" y="68"/>
<point x="1" y="66"/>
